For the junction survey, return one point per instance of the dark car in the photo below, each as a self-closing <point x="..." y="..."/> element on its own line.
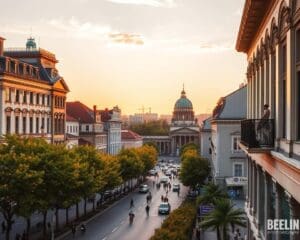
<point x="164" y="208"/>
<point x="176" y="187"/>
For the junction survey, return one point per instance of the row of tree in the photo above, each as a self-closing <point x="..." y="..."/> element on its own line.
<point x="151" y="128"/>
<point x="37" y="176"/>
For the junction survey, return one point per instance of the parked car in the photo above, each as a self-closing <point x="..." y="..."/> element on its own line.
<point x="143" y="188"/>
<point x="164" y="208"/>
<point x="152" y="172"/>
<point x="176" y="187"/>
<point x="164" y="179"/>
<point x="168" y="173"/>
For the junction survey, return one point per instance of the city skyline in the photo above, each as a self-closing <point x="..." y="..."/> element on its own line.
<point x="136" y="53"/>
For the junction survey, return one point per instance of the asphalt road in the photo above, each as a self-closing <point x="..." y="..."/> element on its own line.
<point x="114" y="222"/>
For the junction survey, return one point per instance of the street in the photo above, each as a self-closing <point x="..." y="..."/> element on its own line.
<point x="114" y="222"/>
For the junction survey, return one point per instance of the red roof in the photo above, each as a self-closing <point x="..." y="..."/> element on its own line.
<point x="130" y="135"/>
<point x="71" y="119"/>
<point x="81" y="112"/>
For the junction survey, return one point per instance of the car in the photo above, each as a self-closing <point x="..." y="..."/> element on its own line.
<point x="168" y="173"/>
<point x="143" y="188"/>
<point x="164" y="179"/>
<point x="152" y="172"/>
<point x="176" y="187"/>
<point x="164" y="208"/>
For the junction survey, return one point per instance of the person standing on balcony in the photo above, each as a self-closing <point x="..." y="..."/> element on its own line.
<point x="263" y="127"/>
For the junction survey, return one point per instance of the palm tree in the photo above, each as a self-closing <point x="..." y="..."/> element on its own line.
<point x="211" y="194"/>
<point x="222" y="217"/>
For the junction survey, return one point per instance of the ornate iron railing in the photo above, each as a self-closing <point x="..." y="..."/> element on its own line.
<point x="258" y="133"/>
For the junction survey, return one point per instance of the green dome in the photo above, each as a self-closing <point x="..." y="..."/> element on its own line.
<point x="30" y="44"/>
<point x="183" y="102"/>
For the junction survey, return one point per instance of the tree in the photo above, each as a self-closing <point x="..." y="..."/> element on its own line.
<point x="222" y="217"/>
<point x="194" y="169"/>
<point x="151" y="128"/>
<point x="18" y="181"/>
<point x="211" y="194"/>
<point x="188" y="146"/>
<point x="152" y="144"/>
<point x="148" y="155"/>
<point x="131" y="164"/>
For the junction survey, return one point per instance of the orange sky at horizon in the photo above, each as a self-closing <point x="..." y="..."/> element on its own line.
<point x="135" y="53"/>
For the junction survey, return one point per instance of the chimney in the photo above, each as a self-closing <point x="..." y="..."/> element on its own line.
<point x="1" y="46"/>
<point x="95" y="112"/>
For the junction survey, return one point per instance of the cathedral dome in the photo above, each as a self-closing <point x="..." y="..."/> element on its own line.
<point x="183" y="102"/>
<point x="30" y="44"/>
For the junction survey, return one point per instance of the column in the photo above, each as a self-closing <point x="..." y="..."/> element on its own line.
<point x="248" y="182"/>
<point x="261" y="89"/>
<point x="272" y="79"/>
<point x="267" y="201"/>
<point x="12" y="122"/>
<point x="257" y="91"/>
<point x="258" y="193"/>
<point x="27" y="123"/>
<point x="266" y="80"/>
<point x="291" y="118"/>
<point x="253" y="88"/>
<point x="278" y="202"/>
<point x="254" y="185"/>
<point x="278" y="94"/>
<point x="21" y="122"/>
<point x="295" y="214"/>
<point x="249" y="97"/>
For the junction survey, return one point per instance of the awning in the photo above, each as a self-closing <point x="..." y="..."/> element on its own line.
<point x="236" y="181"/>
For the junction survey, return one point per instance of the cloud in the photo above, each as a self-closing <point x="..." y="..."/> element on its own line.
<point x="126" y="38"/>
<point x="152" y="3"/>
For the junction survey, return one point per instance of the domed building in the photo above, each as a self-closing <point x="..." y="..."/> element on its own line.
<point x="184" y="127"/>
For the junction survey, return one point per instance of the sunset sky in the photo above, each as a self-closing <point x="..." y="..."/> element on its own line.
<point x="135" y="53"/>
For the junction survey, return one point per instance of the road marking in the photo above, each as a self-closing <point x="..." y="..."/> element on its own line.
<point x="115" y="229"/>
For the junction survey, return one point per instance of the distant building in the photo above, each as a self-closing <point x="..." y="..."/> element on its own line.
<point x="184" y="127"/>
<point x="112" y="126"/>
<point x="142" y="118"/>
<point x="32" y="93"/>
<point x="166" y="117"/>
<point x="131" y="139"/>
<point x="229" y="166"/>
<point x="205" y="139"/>
<point x="202" y="116"/>
<point x="91" y="129"/>
<point x="72" y="132"/>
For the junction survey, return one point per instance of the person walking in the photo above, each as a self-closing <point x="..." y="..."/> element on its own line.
<point x="131" y="203"/>
<point x="73" y="228"/>
<point x="147" y="210"/>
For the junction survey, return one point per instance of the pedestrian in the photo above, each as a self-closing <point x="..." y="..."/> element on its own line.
<point x="153" y="183"/>
<point x="197" y="233"/>
<point x="178" y="192"/>
<point x="162" y="198"/>
<point x="18" y="236"/>
<point x="73" y="230"/>
<point x="147" y="210"/>
<point x="167" y="192"/>
<point x="24" y="235"/>
<point x="3" y="226"/>
<point x="131" y="203"/>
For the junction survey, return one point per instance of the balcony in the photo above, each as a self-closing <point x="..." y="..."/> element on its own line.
<point x="258" y="133"/>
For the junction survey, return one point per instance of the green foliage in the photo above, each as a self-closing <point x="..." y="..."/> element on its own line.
<point x="152" y="128"/>
<point x="131" y="165"/>
<point x="194" y="169"/>
<point x="152" y="144"/>
<point x="187" y="147"/>
<point x="148" y="155"/>
<point x="111" y="172"/>
<point x="223" y="217"/>
<point x="179" y="224"/>
<point x="211" y="194"/>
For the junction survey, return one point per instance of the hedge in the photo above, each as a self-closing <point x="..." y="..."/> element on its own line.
<point x="179" y="225"/>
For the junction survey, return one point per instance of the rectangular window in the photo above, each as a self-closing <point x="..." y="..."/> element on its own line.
<point x="298" y="104"/>
<point x="238" y="170"/>
<point x="235" y="144"/>
<point x="31" y="97"/>
<point x="37" y="125"/>
<point x="37" y="99"/>
<point x="31" y="124"/>
<point x="17" y="96"/>
<point x="8" y="124"/>
<point x="24" y="97"/>
<point x="298" y="46"/>
<point x="48" y="125"/>
<point x="43" y="124"/>
<point x="17" y="124"/>
<point x="48" y="100"/>
<point x="24" y="125"/>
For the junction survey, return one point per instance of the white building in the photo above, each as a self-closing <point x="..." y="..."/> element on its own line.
<point x="269" y="34"/>
<point x="112" y="126"/>
<point x="229" y="166"/>
<point x="32" y="93"/>
<point x="205" y="139"/>
<point x="91" y="129"/>
<point x="142" y="118"/>
<point x="131" y="139"/>
<point x="72" y="132"/>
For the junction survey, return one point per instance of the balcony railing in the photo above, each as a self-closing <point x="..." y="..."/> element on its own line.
<point x="258" y="133"/>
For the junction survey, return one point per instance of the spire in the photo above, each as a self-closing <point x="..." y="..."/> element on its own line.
<point x="183" y="92"/>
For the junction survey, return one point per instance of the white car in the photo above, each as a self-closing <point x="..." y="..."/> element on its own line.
<point x="164" y="179"/>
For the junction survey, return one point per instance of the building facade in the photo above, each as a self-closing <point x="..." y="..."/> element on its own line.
<point x="131" y="139"/>
<point x="184" y="128"/>
<point x="72" y="132"/>
<point x="269" y="34"/>
<point x="91" y="128"/>
<point x="112" y="125"/>
<point x="205" y="139"/>
<point x="32" y="93"/>
<point x="229" y="166"/>
<point x="163" y="143"/>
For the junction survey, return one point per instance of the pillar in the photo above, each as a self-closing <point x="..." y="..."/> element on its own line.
<point x="278" y="94"/>
<point x="261" y="89"/>
<point x="272" y="82"/>
<point x="278" y="202"/>
<point x="267" y="201"/>
<point x="266" y="80"/>
<point x="257" y="197"/>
